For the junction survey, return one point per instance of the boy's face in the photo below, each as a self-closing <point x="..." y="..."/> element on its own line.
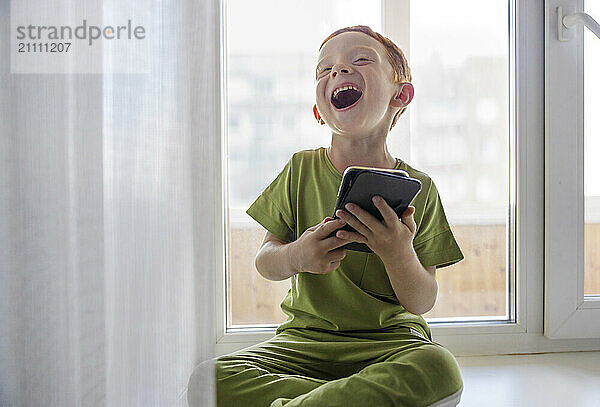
<point x="357" y="59"/>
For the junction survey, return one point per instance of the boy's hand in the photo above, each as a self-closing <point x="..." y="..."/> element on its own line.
<point x="314" y="252"/>
<point x="391" y="239"/>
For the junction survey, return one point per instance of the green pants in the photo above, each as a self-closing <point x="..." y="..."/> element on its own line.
<point x="301" y="367"/>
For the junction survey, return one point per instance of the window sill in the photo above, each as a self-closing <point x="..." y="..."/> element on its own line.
<point x="462" y="339"/>
<point x="515" y="380"/>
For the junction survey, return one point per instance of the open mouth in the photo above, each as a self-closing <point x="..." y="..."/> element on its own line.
<point x="345" y="97"/>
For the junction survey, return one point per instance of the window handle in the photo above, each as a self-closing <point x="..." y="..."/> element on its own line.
<point x="571" y="20"/>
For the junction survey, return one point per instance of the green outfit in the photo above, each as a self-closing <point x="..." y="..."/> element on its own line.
<point x="347" y="341"/>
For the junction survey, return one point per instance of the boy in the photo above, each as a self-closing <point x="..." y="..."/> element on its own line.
<point x="355" y="335"/>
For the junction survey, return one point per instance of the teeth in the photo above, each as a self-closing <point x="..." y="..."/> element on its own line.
<point x="338" y="90"/>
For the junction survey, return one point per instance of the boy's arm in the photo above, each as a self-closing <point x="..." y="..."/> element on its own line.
<point x="273" y="260"/>
<point x="415" y="285"/>
<point x="391" y="239"/>
<point x="313" y="252"/>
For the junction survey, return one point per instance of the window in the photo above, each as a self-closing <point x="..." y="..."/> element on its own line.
<point x="591" y="142"/>
<point x="475" y="126"/>
<point x="270" y="95"/>
<point x="573" y="188"/>
<point x="458" y="132"/>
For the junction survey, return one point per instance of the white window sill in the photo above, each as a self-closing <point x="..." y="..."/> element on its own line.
<point x="551" y="379"/>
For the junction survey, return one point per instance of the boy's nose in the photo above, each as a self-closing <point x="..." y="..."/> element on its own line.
<point x="336" y="69"/>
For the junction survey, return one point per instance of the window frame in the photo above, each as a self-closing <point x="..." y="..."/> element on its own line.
<point x="569" y="313"/>
<point x="526" y="334"/>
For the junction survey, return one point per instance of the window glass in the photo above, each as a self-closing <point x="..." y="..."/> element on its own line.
<point x="272" y="49"/>
<point x="459" y="135"/>
<point x="591" y="143"/>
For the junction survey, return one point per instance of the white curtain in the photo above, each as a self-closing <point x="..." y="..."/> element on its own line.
<point x="109" y="208"/>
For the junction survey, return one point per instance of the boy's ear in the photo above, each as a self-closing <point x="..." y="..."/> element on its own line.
<point x="404" y="95"/>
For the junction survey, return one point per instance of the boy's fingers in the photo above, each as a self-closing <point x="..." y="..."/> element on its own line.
<point x="334" y="242"/>
<point x="348" y="236"/>
<point x="369" y="221"/>
<point x="355" y="222"/>
<point x="389" y="216"/>
<point x="314" y="227"/>
<point x="410" y="210"/>
<point x="408" y="220"/>
<point x="327" y="228"/>
<point x="336" y="255"/>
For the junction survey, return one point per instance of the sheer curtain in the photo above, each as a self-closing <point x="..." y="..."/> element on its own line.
<point x="109" y="209"/>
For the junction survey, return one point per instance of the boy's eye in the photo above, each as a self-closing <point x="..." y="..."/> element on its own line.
<point x="364" y="59"/>
<point x="359" y="59"/>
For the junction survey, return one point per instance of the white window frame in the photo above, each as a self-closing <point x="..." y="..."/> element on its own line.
<point x="569" y="314"/>
<point x="526" y="335"/>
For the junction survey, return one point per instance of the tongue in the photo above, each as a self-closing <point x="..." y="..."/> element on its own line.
<point x="346" y="98"/>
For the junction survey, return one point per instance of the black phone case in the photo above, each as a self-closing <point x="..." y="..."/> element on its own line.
<point x="360" y="184"/>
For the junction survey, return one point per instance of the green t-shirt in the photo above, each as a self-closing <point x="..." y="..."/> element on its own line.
<point x="357" y="295"/>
